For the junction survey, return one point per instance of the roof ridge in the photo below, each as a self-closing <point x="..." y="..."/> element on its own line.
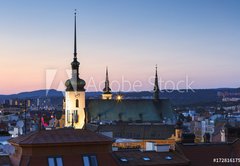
<point x="101" y="135"/>
<point x="30" y="137"/>
<point x="181" y="155"/>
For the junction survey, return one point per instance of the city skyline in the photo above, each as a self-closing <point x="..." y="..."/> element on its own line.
<point x="198" y="41"/>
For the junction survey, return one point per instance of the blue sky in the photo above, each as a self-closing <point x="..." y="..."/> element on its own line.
<point x="199" y="39"/>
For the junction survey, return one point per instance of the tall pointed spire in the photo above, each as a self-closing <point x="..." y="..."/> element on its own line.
<point x="75" y="64"/>
<point x="107" y="94"/>
<point x="75" y="36"/>
<point x="107" y="89"/>
<point x="156" y="87"/>
<point x="75" y="83"/>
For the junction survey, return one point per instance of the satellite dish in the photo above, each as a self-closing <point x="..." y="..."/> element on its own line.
<point x="20" y="123"/>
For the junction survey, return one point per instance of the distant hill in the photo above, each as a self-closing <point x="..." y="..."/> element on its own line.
<point x="41" y="94"/>
<point x="33" y="94"/>
<point x="198" y="96"/>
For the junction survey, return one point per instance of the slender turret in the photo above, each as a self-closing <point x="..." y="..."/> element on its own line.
<point x="156" y="87"/>
<point x="107" y="94"/>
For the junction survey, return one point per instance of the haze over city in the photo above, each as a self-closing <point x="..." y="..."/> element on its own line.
<point x="198" y="40"/>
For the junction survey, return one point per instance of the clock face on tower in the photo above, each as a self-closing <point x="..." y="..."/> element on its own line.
<point x="77" y="94"/>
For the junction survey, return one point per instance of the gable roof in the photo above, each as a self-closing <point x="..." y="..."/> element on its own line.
<point x="61" y="136"/>
<point x="130" y="110"/>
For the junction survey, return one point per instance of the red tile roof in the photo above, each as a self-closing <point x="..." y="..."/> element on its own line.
<point x="204" y="154"/>
<point x="135" y="158"/>
<point x="61" y="136"/>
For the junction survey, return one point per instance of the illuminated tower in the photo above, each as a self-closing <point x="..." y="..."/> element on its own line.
<point x="156" y="87"/>
<point x="75" y="93"/>
<point x="107" y="94"/>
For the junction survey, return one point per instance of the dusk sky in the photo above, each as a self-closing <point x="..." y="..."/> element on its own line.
<point x="194" y="39"/>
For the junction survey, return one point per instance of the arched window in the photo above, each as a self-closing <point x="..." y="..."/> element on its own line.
<point x="77" y="103"/>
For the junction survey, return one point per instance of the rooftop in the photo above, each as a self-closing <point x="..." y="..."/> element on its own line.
<point x="136" y="131"/>
<point x="204" y="153"/>
<point x="61" y="136"/>
<point x="145" y="110"/>
<point x="136" y="157"/>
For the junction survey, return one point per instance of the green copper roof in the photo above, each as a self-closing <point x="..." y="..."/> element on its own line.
<point x="145" y="110"/>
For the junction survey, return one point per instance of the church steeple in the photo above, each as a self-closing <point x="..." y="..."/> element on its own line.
<point x="75" y="92"/>
<point x="107" y="88"/>
<point x="75" y="83"/>
<point x="107" y="94"/>
<point x="156" y="87"/>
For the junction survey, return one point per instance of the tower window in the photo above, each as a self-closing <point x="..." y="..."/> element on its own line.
<point x="76" y="116"/>
<point x="77" y="103"/>
<point x="68" y="116"/>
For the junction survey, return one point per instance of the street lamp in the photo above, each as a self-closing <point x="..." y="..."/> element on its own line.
<point x="119" y="97"/>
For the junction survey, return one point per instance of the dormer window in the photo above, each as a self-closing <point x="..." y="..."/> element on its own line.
<point x="123" y="159"/>
<point x="146" y="158"/>
<point x="55" y="161"/>
<point x="168" y="158"/>
<point x="90" y="160"/>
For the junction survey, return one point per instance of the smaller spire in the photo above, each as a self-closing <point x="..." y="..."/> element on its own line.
<point x="156" y="87"/>
<point x="107" y="89"/>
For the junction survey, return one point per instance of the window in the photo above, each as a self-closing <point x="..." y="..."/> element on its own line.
<point x="123" y="159"/>
<point x="77" y="103"/>
<point x="90" y="160"/>
<point x="55" y="161"/>
<point x="146" y="159"/>
<point x="86" y="161"/>
<point x="76" y="116"/>
<point x="168" y="158"/>
<point x="68" y="116"/>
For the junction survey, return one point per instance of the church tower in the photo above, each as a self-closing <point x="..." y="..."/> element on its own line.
<point x="75" y="93"/>
<point x="107" y="94"/>
<point x="156" y="87"/>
